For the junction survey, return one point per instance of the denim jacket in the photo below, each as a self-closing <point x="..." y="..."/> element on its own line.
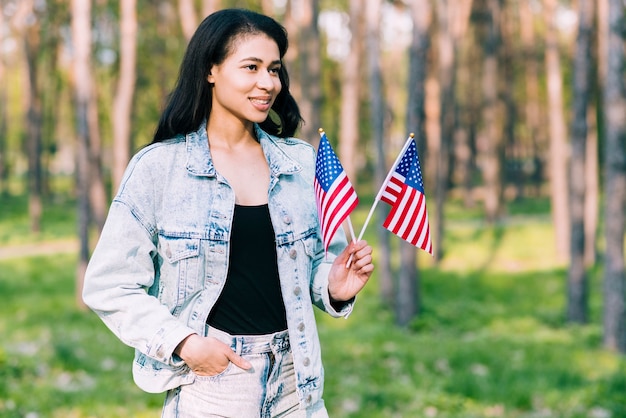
<point x="161" y="260"/>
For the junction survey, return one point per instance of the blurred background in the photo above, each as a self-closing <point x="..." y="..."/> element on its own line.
<point x="519" y="111"/>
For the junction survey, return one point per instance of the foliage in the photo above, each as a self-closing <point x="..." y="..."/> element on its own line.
<point x="490" y="340"/>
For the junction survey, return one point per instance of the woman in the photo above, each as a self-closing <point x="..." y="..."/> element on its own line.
<point x="211" y="260"/>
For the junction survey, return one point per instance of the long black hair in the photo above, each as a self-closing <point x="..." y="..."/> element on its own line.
<point x="190" y="101"/>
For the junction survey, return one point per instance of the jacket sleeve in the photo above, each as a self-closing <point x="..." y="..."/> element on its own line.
<point x="322" y="263"/>
<point x="119" y="274"/>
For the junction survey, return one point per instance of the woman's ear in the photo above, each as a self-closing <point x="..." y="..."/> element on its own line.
<point x="210" y="78"/>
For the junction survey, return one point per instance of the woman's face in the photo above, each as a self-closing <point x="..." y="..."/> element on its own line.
<point x="246" y="84"/>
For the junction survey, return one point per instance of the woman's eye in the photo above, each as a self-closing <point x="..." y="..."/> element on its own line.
<point x="275" y="70"/>
<point x="251" y="67"/>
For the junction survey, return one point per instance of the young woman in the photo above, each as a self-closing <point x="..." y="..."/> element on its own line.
<point x="211" y="259"/>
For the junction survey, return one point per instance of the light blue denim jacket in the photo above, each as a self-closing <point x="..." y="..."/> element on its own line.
<point x="162" y="258"/>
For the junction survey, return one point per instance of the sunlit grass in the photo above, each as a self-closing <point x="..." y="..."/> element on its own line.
<point x="490" y="339"/>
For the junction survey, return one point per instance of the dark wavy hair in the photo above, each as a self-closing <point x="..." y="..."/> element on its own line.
<point x="190" y="101"/>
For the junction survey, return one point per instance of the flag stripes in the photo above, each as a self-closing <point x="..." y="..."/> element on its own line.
<point x="334" y="205"/>
<point x="335" y="197"/>
<point x="404" y="191"/>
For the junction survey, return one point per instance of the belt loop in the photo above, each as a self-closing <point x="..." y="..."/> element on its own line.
<point x="238" y="345"/>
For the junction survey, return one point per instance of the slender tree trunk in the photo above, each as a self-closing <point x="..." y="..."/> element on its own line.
<point x="3" y="115"/>
<point x="592" y="187"/>
<point x="349" y="116"/>
<point x="97" y="191"/>
<point x="188" y="17"/>
<point x="445" y="11"/>
<point x="614" y="95"/>
<point x="532" y="110"/>
<point x="377" y="109"/>
<point x="267" y="7"/>
<point x="27" y="24"/>
<point x="558" y="146"/>
<point x="123" y="102"/>
<point x="210" y="6"/>
<point x="577" y="294"/>
<point x="490" y="136"/>
<point x="292" y="56"/>
<point x="310" y="69"/>
<point x="408" y="290"/>
<point x="81" y="35"/>
<point x="463" y="149"/>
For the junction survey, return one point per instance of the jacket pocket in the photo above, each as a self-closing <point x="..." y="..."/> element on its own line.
<point x="180" y="275"/>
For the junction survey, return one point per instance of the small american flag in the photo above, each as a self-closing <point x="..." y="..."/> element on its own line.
<point x="335" y="196"/>
<point x="404" y="191"/>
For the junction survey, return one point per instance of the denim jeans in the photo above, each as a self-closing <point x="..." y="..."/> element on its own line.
<point x="267" y="390"/>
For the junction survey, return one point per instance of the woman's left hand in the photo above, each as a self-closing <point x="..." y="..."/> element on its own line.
<point x="345" y="282"/>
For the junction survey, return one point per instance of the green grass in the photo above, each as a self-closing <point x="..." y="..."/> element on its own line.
<point x="490" y="341"/>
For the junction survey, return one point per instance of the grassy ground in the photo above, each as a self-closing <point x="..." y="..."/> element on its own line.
<point x="490" y="341"/>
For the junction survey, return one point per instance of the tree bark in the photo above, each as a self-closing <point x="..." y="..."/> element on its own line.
<point x="577" y="292"/>
<point x="188" y="17"/>
<point x="310" y="69"/>
<point x="350" y="86"/>
<point x="446" y="72"/>
<point x="407" y="298"/>
<point x="34" y="122"/>
<point x="30" y="36"/>
<point x="558" y="148"/>
<point x="377" y="112"/>
<point x="123" y="101"/>
<point x="490" y="136"/>
<point x="614" y="97"/>
<point x="83" y="87"/>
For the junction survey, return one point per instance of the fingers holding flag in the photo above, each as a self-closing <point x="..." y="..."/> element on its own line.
<point x="344" y="283"/>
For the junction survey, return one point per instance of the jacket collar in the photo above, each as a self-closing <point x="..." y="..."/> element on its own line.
<point x="199" y="160"/>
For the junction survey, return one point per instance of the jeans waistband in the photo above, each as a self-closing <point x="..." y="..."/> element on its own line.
<point x="252" y="344"/>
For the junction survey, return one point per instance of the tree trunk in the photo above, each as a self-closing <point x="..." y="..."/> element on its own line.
<point x="29" y="33"/>
<point x="377" y="112"/>
<point x="83" y="87"/>
<point x="3" y="116"/>
<point x="210" y="6"/>
<point x="558" y="147"/>
<point x="532" y="110"/>
<point x="123" y="102"/>
<point x="310" y="69"/>
<point x="577" y="292"/>
<point x="490" y="136"/>
<point x="188" y="17"/>
<point x="349" y="116"/>
<point x="408" y="289"/>
<point x="33" y="128"/>
<point x="614" y="96"/>
<point x="592" y="187"/>
<point x="447" y="112"/>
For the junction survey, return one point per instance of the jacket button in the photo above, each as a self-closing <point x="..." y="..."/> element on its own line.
<point x="168" y="252"/>
<point x="306" y="362"/>
<point x="301" y="326"/>
<point x="308" y="399"/>
<point x="297" y="290"/>
<point x="293" y="253"/>
<point x="287" y="219"/>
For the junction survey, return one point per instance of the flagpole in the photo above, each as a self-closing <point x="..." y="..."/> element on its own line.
<point x="380" y="192"/>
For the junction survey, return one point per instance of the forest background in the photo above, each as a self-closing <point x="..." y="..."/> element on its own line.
<point x="518" y="108"/>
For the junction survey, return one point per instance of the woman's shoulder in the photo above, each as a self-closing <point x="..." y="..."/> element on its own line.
<point x="157" y="150"/>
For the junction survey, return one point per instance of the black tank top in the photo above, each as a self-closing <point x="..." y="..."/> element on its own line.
<point x="251" y="302"/>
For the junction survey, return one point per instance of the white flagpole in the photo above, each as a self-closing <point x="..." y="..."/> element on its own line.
<point x="380" y="191"/>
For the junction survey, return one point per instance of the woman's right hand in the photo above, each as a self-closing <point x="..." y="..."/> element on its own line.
<point x="207" y="356"/>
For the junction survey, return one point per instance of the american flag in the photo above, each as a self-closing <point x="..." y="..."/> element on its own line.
<point x="334" y="193"/>
<point x="404" y="191"/>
